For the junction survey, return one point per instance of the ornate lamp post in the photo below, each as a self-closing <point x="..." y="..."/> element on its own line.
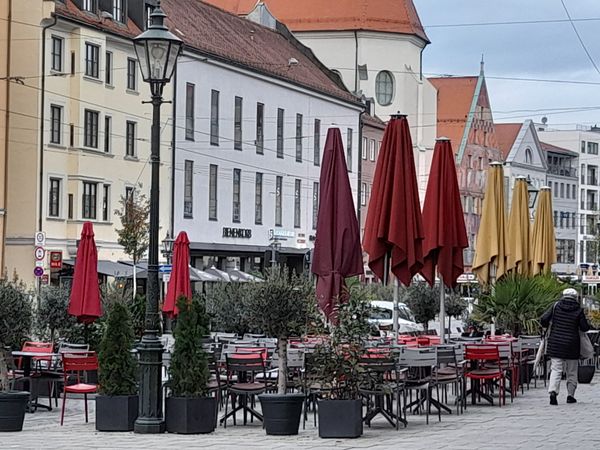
<point x="167" y="250"/>
<point x="157" y="50"/>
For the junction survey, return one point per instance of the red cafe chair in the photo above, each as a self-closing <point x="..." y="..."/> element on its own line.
<point x="74" y="365"/>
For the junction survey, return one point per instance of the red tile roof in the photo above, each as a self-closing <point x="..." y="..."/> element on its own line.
<point x="373" y="121"/>
<point x="506" y="133"/>
<point x="392" y="16"/>
<point x="454" y="98"/>
<point x="68" y="10"/>
<point x="555" y="149"/>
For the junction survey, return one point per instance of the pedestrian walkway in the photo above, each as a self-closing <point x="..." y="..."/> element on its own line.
<point x="527" y="423"/>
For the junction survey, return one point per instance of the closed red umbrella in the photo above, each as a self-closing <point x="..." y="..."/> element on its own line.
<point x="394" y="228"/>
<point x="337" y="253"/>
<point x="84" y="301"/>
<point x="179" y="284"/>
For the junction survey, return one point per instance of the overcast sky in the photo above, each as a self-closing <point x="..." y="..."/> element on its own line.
<point x="533" y="50"/>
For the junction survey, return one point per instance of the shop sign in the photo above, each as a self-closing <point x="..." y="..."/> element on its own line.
<point x="245" y="233"/>
<point x="276" y="233"/>
<point x="56" y="260"/>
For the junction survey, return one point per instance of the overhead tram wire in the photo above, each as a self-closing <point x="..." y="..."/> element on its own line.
<point x="585" y="49"/>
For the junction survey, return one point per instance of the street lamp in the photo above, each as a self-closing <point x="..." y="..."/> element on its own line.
<point x="532" y="191"/>
<point x="167" y="250"/>
<point x="157" y="50"/>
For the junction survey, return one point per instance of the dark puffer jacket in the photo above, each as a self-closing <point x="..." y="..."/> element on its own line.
<point x="567" y="320"/>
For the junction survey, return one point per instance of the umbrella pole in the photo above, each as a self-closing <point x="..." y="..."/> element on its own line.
<point x="442" y="311"/>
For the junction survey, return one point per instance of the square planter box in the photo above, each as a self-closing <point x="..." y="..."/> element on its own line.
<point x="116" y="413"/>
<point x="191" y="415"/>
<point x="340" y="418"/>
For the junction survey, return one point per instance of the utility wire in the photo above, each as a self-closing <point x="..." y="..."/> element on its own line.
<point x="585" y="49"/>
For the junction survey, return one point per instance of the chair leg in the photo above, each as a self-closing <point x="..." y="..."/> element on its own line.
<point x="62" y="414"/>
<point x="86" y="408"/>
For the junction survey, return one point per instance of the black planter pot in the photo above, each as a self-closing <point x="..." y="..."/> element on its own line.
<point x="585" y="373"/>
<point x="116" y="413"/>
<point x="340" y="418"/>
<point x="191" y="415"/>
<point x="281" y="413"/>
<point x="12" y="410"/>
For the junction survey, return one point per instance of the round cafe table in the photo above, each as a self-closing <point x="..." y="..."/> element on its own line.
<point x="26" y="359"/>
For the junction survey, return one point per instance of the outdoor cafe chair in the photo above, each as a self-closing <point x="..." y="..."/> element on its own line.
<point x="420" y="364"/>
<point x="243" y="385"/>
<point x="529" y="347"/>
<point x="450" y="371"/>
<point x="75" y="365"/>
<point x="486" y="366"/>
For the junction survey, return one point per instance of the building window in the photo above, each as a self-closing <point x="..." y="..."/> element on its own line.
<point x="384" y="88"/>
<point x="108" y="70"/>
<point x="149" y="10"/>
<point x="57" y="53"/>
<point x="317" y="143"/>
<point x="212" y="192"/>
<point x="214" y="117"/>
<point x="372" y="149"/>
<point x="90" y="129"/>
<point x="188" y="189"/>
<point x="107" y="133"/>
<point x="88" y="5"/>
<point x="258" y="195"/>
<point x="565" y="251"/>
<point x="105" y="202"/>
<point x="89" y="200"/>
<point x="298" y="137"/>
<point x="363" y="194"/>
<point x="190" y="89"/>
<point x="236" y="215"/>
<point x="118" y="11"/>
<point x="592" y="148"/>
<point x="131" y="74"/>
<point x="92" y="60"/>
<point x="237" y="124"/>
<point x="349" y="149"/>
<point x="297" y="203"/>
<point x="278" y="200"/>
<point x="528" y="156"/>
<point x="582" y="146"/>
<point x="315" y="205"/>
<point x="55" y="124"/>
<point x="260" y="131"/>
<point x="54" y="200"/>
<point x="573" y="192"/>
<point x="130" y="139"/>
<point x="365" y="146"/>
<point x="562" y="190"/>
<point x="70" y="206"/>
<point x="280" y="118"/>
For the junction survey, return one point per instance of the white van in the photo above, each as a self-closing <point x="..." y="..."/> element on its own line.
<point x="382" y="316"/>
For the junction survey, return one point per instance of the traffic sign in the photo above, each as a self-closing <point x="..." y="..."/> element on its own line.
<point x="165" y="268"/>
<point x="38" y="271"/>
<point x="40" y="253"/>
<point x="40" y="239"/>
<point x="39" y="263"/>
<point x="166" y="277"/>
<point x="45" y="279"/>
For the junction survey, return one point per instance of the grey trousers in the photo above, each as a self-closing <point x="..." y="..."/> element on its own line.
<point x="558" y="366"/>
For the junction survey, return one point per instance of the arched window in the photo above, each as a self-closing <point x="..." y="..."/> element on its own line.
<point x="384" y="88"/>
<point x="528" y="156"/>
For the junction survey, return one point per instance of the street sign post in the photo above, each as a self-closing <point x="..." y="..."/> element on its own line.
<point x="40" y="253"/>
<point x="38" y="271"/>
<point x="165" y="268"/>
<point x="40" y="239"/>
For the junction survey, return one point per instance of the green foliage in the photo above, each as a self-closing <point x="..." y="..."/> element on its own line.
<point x="225" y="305"/>
<point x="16" y="317"/>
<point x="379" y="292"/>
<point x="336" y="363"/>
<point x="454" y="305"/>
<point x="278" y="306"/>
<point x="594" y="318"/>
<point x="137" y="308"/>
<point x="134" y="234"/>
<point x="189" y="363"/>
<point x="52" y="320"/>
<point x="516" y="303"/>
<point x="423" y="301"/>
<point x="118" y="367"/>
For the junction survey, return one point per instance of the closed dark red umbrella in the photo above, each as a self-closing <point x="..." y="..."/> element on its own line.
<point x="445" y="233"/>
<point x="179" y="284"/>
<point x="84" y="301"/>
<point x="337" y="254"/>
<point x="394" y="228"/>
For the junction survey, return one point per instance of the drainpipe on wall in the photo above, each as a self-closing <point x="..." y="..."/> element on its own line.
<point x="359" y="174"/>
<point x="6" y="131"/>
<point x="355" y="61"/>
<point x="42" y="119"/>
<point x="173" y="150"/>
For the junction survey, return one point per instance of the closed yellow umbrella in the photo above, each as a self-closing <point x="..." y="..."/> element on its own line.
<point x="519" y="227"/>
<point x="490" y="249"/>
<point x="543" y="240"/>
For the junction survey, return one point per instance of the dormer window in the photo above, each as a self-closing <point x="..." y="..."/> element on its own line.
<point x="89" y="5"/>
<point x="119" y="10"/>
<point x="149" y="10"/>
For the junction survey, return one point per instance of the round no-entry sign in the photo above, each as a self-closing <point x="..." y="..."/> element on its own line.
<point x="38" y="271"/>
<point x="40" y="253"/>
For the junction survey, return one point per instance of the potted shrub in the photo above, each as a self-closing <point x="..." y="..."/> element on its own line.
<point x="278" y="307"/>
<point x="338" y="369"/>
<point x="188" y="408"/>
<point x="15" y="325"/>
<point x="117" y="402"/>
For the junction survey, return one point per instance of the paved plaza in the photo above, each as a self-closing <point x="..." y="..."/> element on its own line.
<point x="527" y="423"/>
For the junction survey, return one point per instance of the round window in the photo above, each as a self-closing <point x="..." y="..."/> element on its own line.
<point x="384" y="88"/>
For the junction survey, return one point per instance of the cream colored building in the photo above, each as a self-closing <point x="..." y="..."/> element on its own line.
<point x="79" y="135"/>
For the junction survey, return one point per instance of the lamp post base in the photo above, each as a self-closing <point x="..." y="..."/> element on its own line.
<point x="150" y="419"/>
<point x="148" y="425"/>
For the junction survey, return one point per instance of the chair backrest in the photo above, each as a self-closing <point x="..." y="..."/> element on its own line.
<point x="482" y="352"/>
<point x="253" y="336"/>
<point x="445" y="355"/>
<point x="379" y="363"/>
<point x="295" y="358"/>
<point x="417" y="357"/>
<point x="247" y="363"/>
<point x="77" y="363"/>
<point x="67" y="347"/>
<point x="37" y="347"/>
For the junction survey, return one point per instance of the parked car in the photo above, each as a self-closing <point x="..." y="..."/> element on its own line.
<point x="382" y="316"/>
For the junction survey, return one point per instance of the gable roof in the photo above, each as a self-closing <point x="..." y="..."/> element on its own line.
<point x="507" y="133"/>
<point x="235" y="40"/>
<point x="391" y="16"/>
<point x="455" y="96"/>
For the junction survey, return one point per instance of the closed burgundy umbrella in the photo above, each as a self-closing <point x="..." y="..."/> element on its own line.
<point x="337" y="254"/>
<point x="445" y="233"/>
<point x="394" y="229"/>
<point x="84" y="301"/>
<point x="179" y="284"/>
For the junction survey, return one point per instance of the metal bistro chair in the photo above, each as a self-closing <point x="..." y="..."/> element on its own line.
<point x="486" y="366"/>
<point x="450" y="371"/>
<point x="74" y="365"/>
<point x="420" y="364"/>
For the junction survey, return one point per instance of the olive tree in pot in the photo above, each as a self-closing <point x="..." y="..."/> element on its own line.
<point x="117" y="402"/>
<point x="15" y="325"/>
<point x="189" y="410"/>
<point x="337" y="367"/>
<point x="278" y="307"/>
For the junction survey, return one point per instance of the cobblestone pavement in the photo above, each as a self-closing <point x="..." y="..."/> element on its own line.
<point x="529" y="423"/>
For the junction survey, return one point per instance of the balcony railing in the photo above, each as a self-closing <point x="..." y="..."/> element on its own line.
<point x="562" y="171"/>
